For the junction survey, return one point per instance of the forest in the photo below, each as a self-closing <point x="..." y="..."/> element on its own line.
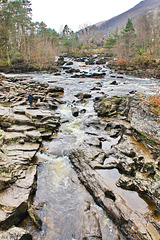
<point x="28" y="43"/>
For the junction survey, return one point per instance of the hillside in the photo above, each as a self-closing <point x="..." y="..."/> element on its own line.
<point x="146" y="6"/>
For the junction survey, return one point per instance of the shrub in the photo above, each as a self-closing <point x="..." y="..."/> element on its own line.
<point x="144" y="61"/>
<point x="153" y="101"/>
<point x="121" y="61"/>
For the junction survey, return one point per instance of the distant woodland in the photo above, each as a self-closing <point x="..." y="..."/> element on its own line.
<point x="24" y="42"/>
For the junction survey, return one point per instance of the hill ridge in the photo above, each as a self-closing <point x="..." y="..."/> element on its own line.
<point x="145" y="6"/>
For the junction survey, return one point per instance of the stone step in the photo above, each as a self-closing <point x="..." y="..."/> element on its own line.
<point x="20" y="128"/>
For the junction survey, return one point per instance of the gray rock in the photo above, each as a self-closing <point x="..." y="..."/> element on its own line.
<point x="143" y="120"/>
<point x="130" y="223"/>
<point x="15" y="233"/>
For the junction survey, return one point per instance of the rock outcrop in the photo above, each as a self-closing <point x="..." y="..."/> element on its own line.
<point x="135" y="157"/>
<point x="22" y="130"/>
<point x="129" y="222"/>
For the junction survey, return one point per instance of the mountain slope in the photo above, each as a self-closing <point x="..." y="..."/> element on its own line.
<point x="146" y="6"/>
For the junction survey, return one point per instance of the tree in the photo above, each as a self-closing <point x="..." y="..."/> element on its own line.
<point x="144" y="32"/>
<point x="86" y="36"/>
<point x="4" y="34"/>
<point x="68" y="39"/>
<point x="128" y="36"/>
<point x="111" y="40"/>
<point x="15" y="22"/>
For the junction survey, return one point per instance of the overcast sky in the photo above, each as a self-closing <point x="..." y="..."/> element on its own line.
<point x="77" y="14"/>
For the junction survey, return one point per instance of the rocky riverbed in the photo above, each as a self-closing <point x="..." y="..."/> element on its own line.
<point x="121" y="134"/>
<point x="128" y="120"/>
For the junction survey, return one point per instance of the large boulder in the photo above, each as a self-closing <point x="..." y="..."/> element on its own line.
<point x="107" y="107"/>
<point x="143" y="119"/>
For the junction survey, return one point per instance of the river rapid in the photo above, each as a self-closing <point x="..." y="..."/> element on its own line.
<point x="60" y="198"/>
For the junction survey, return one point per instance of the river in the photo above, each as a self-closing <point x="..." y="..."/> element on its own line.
<point x="60" y="198"/>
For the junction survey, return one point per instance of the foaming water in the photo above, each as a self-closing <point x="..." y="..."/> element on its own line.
<point x="61" y="201"/>
<point x="63" y="198"/>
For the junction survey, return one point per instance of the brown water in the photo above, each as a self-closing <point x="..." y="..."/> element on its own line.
<point x="132" y="199"/>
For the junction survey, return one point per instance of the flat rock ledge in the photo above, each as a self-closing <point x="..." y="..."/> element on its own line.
<point x="132" y="224"/>
<point x="22" y="129"/>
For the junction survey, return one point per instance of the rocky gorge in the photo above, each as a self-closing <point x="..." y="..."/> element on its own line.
<point x="112" y="130"/>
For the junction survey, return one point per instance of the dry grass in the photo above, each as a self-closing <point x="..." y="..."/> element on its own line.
<point x="153" y="101"/>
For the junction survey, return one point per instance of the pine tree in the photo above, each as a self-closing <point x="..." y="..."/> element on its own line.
<point x="128" y="39"/>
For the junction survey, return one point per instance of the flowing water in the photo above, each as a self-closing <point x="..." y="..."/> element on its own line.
<point x="60" y="198"/>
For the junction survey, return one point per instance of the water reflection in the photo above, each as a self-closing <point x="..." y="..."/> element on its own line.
<point x="133" y="199"/>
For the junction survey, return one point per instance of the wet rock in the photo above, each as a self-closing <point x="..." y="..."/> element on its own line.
<point x="15" y="233"/>
<point x="101" y="61"/>
<point x="95" y="122"/>
<point x="83" y="111"/>
<point x="11" y="216"/>
<point x="80" y="75"/>
<point x="132" y="92"/>
<point x="93" y="141"/>
<point x="139" y="183"/>
<point x="34" y="216"/>
<point x="95" y="89"/>
<point x="89" y="62"/>
<point x="91" y="226"/>
<point x="114" y="83"/>
<point x="75" y="111"/>
<point x="53" y="89"/>
<point x="138" y="167"/>
<point x="69" y="63"/>
<point x="83" y="96"/>
<point x="72" y="70"/>
<point x="96" y="75"/>
<point x="106" y="107"/>
<point x="89" y="75"/>
<point x="60" y="61"/>
<point x="130" y="223"/>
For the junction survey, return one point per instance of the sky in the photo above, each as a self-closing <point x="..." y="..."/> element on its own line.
<point x="77" y="14"/>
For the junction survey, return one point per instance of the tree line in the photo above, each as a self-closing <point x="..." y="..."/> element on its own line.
<point x="23" y="41"/>
<point x="27" y="42"/>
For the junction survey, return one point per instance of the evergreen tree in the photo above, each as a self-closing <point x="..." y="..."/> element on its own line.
<point x="128" y="36"/>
